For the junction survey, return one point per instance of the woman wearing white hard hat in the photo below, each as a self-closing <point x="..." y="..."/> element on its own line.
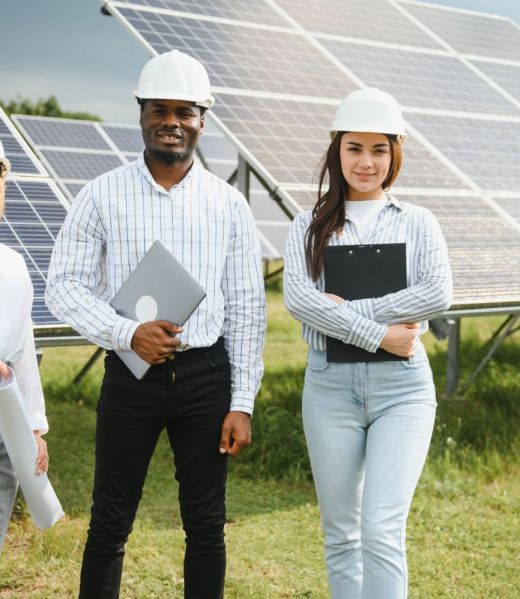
<point x="17" y="350"/>
<point x="367" y="423"/>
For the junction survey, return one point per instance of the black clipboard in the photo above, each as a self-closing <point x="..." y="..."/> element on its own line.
<point x="358" y="272"/>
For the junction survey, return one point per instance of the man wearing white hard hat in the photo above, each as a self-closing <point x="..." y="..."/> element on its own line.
<point x="17" y="352"/>
<point x="204" y="396"/>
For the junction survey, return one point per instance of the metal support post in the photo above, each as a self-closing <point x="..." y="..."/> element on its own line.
<point x="452" y="371"/>
<point x="92" y="360"/>
<point x="505" y="331"/>
<point x="243" y="176"/>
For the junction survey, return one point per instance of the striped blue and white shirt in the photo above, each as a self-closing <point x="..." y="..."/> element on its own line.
<point x="364" y="322"/>
<point x="208" y="226"/>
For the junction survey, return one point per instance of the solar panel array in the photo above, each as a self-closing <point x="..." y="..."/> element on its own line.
<point x="280" y="67"/>
<point x="34" y="211"/>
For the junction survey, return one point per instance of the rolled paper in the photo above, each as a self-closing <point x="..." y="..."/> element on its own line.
<point x="43" y="504"/>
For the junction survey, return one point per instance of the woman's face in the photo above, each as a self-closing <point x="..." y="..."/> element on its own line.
<point x="365" y="162"/>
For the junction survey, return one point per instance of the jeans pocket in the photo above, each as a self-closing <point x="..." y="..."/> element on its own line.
<point x="317" y="361"/>
<point x="415" y="361"/>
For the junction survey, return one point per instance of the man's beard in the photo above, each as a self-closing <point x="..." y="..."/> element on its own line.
<point x="170" y="158"/>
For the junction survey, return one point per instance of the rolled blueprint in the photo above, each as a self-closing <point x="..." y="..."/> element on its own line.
<point x="44" y="506"/>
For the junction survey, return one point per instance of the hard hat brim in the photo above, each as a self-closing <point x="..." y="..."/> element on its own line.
<point x="207" y="103"/>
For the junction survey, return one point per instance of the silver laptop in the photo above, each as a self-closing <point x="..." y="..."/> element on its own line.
<point x="159" y="288"/>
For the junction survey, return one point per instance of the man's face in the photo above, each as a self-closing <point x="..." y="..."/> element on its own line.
<point x="171" y="129"/>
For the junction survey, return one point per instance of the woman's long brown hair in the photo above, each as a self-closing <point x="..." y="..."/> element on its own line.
<point x="328" y="215"/>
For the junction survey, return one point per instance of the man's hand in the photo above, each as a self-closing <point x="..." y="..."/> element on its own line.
<point x="153" y="340"/>
<point x="236" y="433"/>
<point x="42" y="459"/>
<point x="4" y="371"/>
<point x="401" y="339"/>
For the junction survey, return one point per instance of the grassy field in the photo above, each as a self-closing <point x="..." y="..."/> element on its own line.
<point x="463" y="530"/>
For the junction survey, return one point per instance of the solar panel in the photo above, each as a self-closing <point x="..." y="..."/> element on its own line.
<point x="71" y="134"/>
<point x="485" y="150"/>
<point x="510" y="205"/>
<point x="244" y="57"/>
<point x="34" y="213"/>
<point x="23" y="161"/>
<point x="77" y="151"/>
<point x="375" y="20"/>
<point x="483" y="252"/>
<point x="423" y="80"/>
<point x="67" y="164"/>
<point x="127" y="138"/>
<point x="507" y="76"/>
<point x="240" y="10"/>
<point x="469" y="33"/>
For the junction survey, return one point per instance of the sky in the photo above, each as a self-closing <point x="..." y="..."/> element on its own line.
<point x="90" y="62"/>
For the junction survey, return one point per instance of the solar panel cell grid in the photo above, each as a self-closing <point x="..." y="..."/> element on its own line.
<point x="511" y="205"/>
<point x="242" y="10"/>
<point x="424" y="80"/>
<point x="32" y="219"/>
<point x="287" y="138"/>
<point x="244" y="57"/>
<point x="375" y="20"/>
<point x="507" y="76"/>
<point x="67" y="135"/>
<point x="486" y="151"/>
<point x="21" y="162"/>
<point x="483" y="252"/>
<point x="471" y="34"/>
<point x="67" y="165"/>
<point x="127" y="139"/>
<point x="421" y="169"/>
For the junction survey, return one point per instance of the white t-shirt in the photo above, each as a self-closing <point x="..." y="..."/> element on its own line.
<point x="364" y="214"/>
<point x="16" y="336"/>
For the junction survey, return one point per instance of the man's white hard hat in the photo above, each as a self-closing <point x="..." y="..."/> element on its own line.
<point x="175" y="76"/>
<point x="369" y="110"/>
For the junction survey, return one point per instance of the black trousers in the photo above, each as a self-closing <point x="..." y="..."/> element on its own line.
<point x="189" y="396"/>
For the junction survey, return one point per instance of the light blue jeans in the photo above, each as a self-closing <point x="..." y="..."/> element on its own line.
<point x="368" y="428"/>
<point x="8" y="488"/>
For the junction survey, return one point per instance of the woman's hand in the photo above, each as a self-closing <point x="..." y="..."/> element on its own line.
<point x="335" y="298"/>
<point x="4" y="370"/>
<point x="401" y="339"/>
<point x="42" y="460"/>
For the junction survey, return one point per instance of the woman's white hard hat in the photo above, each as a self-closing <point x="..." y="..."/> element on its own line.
<point x="369" y="110"/>
<point x="175" y="76"/>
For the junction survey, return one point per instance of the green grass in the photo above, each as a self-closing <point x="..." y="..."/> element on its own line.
<point x="463" y="530"/>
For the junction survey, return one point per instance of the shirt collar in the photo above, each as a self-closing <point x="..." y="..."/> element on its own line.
<point x="145" y="172"/>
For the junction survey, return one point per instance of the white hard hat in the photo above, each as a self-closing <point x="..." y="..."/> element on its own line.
<point x="370" y="110"/>
<point x="175" y="76"/>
